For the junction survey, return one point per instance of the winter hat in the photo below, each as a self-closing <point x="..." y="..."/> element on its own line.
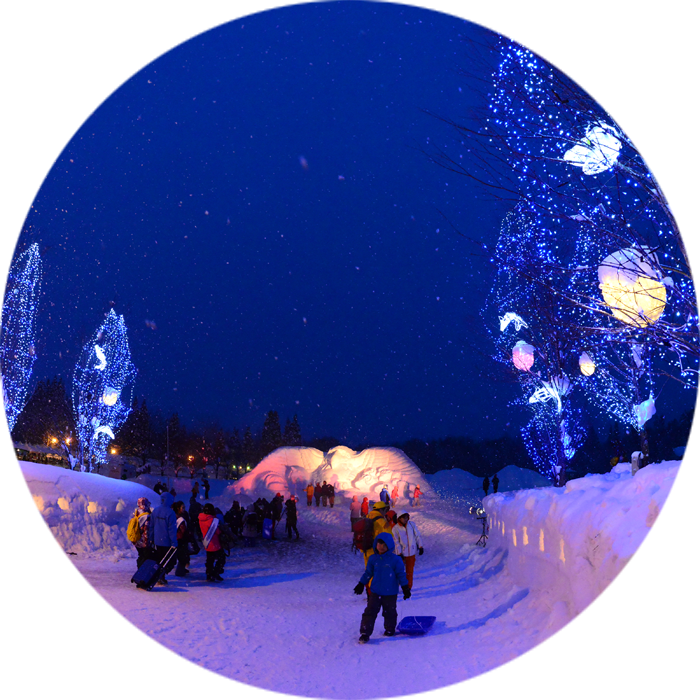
<point x="143" y="503"/>
<point x="402" y="514"/>
<point x="380" y="505"/>
<point x="209" y="509"/>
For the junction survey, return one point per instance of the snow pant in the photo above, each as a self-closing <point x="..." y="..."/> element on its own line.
<point x="292" y="525"/>
<point x="215" y="563"/>
<point x="144" y="554"/>
<point x="318" y="501"/>
<point x="325" y="500"/>
<point x="375" y="603"/>
<point x="309" y="500"/>
<point x="183" y="557"/>
<point x="409" y="563"/>
<point x="332" y="500"/>
<point x="161" y="551"/>
<point x="353" y="521"/>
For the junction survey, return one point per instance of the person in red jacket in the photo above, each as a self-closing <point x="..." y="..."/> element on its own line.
<point x="209" y="524"/>
<point x="364" y="508"/>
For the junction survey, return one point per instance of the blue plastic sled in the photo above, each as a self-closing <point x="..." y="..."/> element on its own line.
<point x="267" y="529"/>
<point x="415" y="625"/>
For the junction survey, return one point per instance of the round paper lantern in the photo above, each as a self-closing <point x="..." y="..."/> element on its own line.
<point x="630" y="281"/>
<point x="586" y="364"/>
<point x="110" y="396"/>
<point x="523" y="355"/>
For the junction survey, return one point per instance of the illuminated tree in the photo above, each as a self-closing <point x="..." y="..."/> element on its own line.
<point x="17" y="346"/>
<point x="102" y="390"/>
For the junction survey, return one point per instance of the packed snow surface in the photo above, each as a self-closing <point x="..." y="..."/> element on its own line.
<point x="285" y="618"/>
<point x="291" y="469"/>
<point x="52" y="509"/>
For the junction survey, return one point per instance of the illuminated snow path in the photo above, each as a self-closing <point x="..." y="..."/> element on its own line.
<point x="285" y="619"/>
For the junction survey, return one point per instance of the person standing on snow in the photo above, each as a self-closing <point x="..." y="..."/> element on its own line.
<point x="162" y="532"/>
<point x="384" y="495"/>
<point x="379" y="525"/>
<point x="324" y="494"/>
<point x="494" y="481"/>
<point x="205" y="483"/>
<point x="331" y="494"/>
<point x="317" y="493"/>
<point x="417" y="493"/>
<point x="485" y="485"/>
<point x="183" y="553"/>
<point x="386" y="571"/>
<point x="143" y="546"/>
<point x="290" y="508"/>
<point x="309" y="494"/>
<point x="355" y="506"/>
<point x="277" y="506"/>
<point x="408" y="543"/>
<point x="209" y="524"/>
<point x="394" y="495"/>
<point x="364" y="508"/>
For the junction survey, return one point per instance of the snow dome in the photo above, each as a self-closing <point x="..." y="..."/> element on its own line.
<point x="291" y="469"/>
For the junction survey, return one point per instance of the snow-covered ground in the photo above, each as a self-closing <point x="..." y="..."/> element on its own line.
<point x="285" y="619"/>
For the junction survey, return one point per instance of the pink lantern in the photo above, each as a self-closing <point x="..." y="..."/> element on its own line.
<point x="523" y="355"/>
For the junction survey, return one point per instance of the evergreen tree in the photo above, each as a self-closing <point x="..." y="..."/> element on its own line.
<point x="46" y="415"/>
<point x="249" y="452"/>
<point x="292" y="433"/>
<point x="271" y="437"/>
<point x="135" y="435"/>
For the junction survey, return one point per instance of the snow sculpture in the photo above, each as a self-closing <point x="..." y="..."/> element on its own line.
<point x="19" y="311"/>
<point x="597" y="151"/>
<point x="101" y="375"/>
<point x="630" y="281"/>
<point x="586" y="364"/>
<point x="523" y="355"/>
<point x="510" y="316"/>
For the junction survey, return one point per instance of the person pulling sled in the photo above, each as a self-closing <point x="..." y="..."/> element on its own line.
<point x="384" y="573"/>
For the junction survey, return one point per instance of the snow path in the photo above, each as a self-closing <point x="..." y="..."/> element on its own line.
<point x="285" y="619"/>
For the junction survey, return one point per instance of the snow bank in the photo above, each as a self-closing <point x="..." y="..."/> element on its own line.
<point x="616" y="559"/>
<point x="87" y="513"/>
<point x="290" y="469"/>
<point x="512" y="478"/>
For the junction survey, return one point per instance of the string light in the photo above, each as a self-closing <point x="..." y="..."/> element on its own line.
<point x="103" y="373"/>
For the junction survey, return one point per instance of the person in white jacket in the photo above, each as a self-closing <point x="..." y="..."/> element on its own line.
<point x="408" y="543"/>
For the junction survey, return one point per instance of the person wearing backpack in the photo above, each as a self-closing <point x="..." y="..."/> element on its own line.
<point x="209" y="524"/>
<point x="384" y="573"/>
<point x="379" y="524"/>
<point x="137" y="531"/>
<point x="408" y="543"/>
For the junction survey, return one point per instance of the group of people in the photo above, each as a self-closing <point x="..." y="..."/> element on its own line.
<point x="485" y="484"/>
<point x="323" y="493"/>
<point x="207" y="528"/>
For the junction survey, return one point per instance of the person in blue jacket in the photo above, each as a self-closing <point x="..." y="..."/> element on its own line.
<point x="162" y="532"/>
<point x="385" y="572"/>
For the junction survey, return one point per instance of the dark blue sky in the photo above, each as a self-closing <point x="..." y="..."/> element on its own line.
<point x="156" y="149"/>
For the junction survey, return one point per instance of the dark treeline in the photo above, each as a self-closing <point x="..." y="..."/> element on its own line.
<point x="147" y="435"/>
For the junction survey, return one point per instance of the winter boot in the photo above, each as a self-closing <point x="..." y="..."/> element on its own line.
<point x="364" y="638"/>
<point x="389" y="633"/>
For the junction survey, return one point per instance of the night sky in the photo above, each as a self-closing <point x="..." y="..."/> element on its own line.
<point x="258" y="204"/>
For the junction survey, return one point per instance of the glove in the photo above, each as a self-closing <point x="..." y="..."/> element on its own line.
<point x="406" y="592"/>
<point x="420" y="551"/>
<point x="359" y="588"/>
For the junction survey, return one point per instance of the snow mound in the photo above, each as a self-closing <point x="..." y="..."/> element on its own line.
<point x="618" y="557"/>
<point x="512" y="478"/>
<point x="87" y="513"/>
<point x="291" y="469"/>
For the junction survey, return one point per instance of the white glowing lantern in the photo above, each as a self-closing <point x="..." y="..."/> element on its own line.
<point x="586" y="364"/>
<point x="523" y="355"/>
<point x="597" y="151"/>
<point x="110" y="396"/>
<point x="632" y="287"/>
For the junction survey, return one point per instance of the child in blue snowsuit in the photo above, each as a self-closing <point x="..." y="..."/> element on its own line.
<point x="386" y="571"/>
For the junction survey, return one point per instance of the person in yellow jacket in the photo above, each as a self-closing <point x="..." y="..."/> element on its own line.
<point x="381" y="524"/>
<point x="309" y="494"/>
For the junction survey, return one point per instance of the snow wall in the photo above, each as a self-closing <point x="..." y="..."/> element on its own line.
<point x="615" y="558"/>
<point x="289" y="470"/>
<point x="51" y="509"/>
